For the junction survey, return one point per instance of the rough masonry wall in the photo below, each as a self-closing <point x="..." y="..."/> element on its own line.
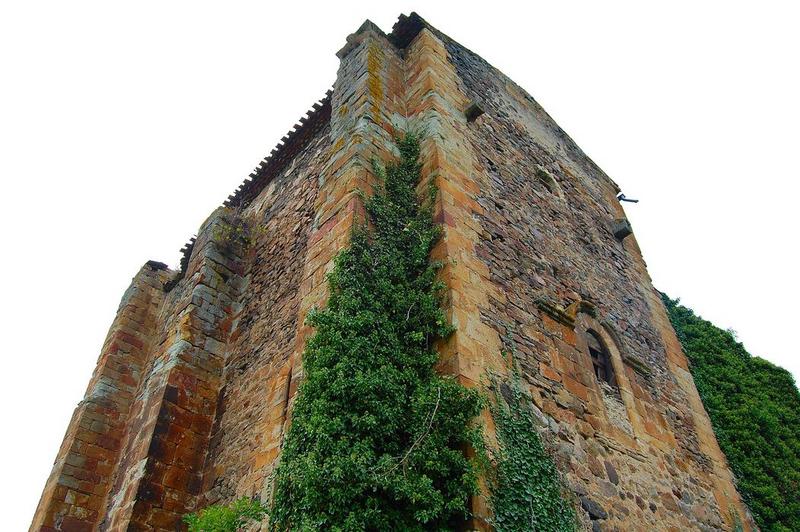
<point x="632" y="454"/>
<point x="252" y="407"/>
<point x="75" y="493"/>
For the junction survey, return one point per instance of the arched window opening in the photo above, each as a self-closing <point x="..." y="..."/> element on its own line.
<point x="601" y="360"/>
<point x="610" y="374"/>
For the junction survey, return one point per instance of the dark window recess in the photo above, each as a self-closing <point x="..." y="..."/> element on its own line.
<point x="601" y="361"/>
<point x="473" y="111"/>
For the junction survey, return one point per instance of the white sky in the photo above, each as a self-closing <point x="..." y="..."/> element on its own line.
<point x="122" y="125"/>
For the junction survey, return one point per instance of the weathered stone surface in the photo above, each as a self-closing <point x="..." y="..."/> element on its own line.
<point x="594" y="510"/>
<point x="195" y="383"/>
<point x="612" y="473"/>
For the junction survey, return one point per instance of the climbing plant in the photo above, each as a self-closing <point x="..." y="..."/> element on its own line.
<point x="227" y="518"/>
<point x="377" y="436"/>
<point x="526" y="491"/>
<point x="754" y="408"/>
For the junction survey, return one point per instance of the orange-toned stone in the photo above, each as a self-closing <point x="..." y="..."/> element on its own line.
<point x="549" y="372"/>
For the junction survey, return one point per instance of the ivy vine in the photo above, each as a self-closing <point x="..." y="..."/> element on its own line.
<point x="526" y="490"/>
<point x="377" y="438"/>
<point x="754" y="408"/>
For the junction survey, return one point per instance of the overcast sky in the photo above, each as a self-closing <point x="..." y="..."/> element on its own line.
<point x="123" y="125"/>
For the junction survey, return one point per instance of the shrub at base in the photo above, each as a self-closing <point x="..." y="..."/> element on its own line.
<point x="231" y="518"/>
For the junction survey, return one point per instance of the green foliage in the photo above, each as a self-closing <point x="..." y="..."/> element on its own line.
<point x="526" y="490"/>
<point x="235" y="231"/>
<point x="220" y="518"/>
<point x="377" y="438"/>
<point x="755" y="410"/>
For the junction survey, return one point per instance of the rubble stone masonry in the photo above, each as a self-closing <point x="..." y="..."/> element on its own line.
<point x="194" y="386"/>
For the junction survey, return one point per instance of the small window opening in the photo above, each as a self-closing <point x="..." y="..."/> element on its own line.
<point x="601" y="361"/>
<point x="473" y="111"/>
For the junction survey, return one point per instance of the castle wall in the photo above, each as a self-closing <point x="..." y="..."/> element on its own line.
<point x="251" y="411"/>
<point x="194" y="388"/>
<point x="643" y="452"/>
<point x="74" y="496"/>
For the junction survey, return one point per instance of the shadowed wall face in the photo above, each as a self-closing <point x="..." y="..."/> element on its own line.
<point x="253" y="404"/>
<point x="195" y="385"/>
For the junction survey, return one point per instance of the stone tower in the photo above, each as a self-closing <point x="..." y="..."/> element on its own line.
<point x="194" y="384"/>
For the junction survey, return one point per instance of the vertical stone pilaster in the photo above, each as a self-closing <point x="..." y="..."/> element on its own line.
<point x="167" y="440"/>
<point x="74" y="495"/>
<point x="368" y="110"/>
<point x="436" y="106"/>
<point x="725" y="491"/>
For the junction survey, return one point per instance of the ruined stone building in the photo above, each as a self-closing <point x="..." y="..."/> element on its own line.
<point x="190" y="397"/>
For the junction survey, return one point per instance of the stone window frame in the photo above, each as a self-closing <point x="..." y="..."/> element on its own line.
<point x="608" y="338"/>
<point x="601" y="359"/>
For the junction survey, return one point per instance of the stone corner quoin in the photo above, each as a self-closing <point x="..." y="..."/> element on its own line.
<point x="195" y="382"/>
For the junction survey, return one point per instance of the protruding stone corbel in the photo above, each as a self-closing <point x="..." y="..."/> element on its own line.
<point x="621" y="228"/>
<point x="556" y="312"/>
<point x="581" y="306"/>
